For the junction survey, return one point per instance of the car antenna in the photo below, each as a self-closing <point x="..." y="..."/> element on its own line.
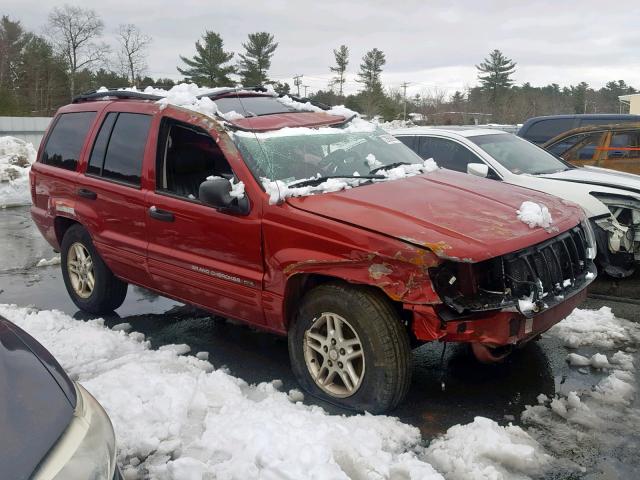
<point x="443" y="367"/>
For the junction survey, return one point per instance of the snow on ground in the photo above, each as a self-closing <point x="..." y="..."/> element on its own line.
<point x="534" y="215"/>
<point x="600" y="418"/>
<point x="43" y="262"/>
<point x="16" y="157"/>
<point x="176" y="417"/>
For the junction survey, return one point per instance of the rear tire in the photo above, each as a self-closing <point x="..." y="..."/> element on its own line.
<point x="90" y="283"/>
<point x="349" y="347"/>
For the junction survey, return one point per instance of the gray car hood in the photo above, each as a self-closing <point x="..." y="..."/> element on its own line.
<point x="599" y="176"/>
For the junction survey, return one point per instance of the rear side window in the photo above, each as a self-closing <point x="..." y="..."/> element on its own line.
<point x="544" y="130"/>
<point x="66" y="139"/>
<point x="119" y="147"/>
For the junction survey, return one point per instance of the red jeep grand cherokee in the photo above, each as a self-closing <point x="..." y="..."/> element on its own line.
<point x="309" y="224"/>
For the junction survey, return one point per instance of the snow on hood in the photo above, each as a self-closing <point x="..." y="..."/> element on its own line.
<point x="454" y="214"/>
<point x="534" y="214"/>
<point x="16" y="158"/>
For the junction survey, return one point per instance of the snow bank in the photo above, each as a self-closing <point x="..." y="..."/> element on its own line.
<point x="16" y="157"/>
<point x="599" y="418"/>
<point x="599" y="328"/>
<point x="534" y="215"/>
<point x="279" y="190"/>
<point x="485" y="450"/>
<point x="176" y="417"/>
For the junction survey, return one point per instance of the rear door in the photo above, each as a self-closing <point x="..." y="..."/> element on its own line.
<point x="111" y="201"/>
<point x="623" y="151"/>
<point x="196" y="253"/>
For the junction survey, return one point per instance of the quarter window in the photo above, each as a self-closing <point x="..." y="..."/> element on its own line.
<point x="66" y="139"/>
<point x="119" y="147"/>
<point x="624" y="145"/>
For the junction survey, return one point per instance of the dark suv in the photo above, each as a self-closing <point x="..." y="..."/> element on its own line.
<point x="542" y="129"/>
<point x="308" y="223"/>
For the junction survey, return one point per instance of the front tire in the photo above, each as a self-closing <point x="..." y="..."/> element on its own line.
<point x="348" y="346"/>
<point x="90" y="283"/>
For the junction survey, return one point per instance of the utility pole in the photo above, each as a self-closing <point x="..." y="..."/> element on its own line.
<point x="404" y="96"/>
<point x="305" y="90"/>
<point x="297" y="81"/>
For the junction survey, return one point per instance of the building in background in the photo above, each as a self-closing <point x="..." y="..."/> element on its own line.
<point x="632" y="100"/>
<point x="30" y="129"/>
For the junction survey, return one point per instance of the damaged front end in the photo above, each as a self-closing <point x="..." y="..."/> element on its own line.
<point x="618" y="235"/>
<point x="495" y="301"/>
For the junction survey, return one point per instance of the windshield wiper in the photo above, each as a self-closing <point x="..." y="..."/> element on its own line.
<point x="319" y="180"/>
<point x="391" y="165"/>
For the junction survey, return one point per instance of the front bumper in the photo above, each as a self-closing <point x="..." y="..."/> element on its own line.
<point x="493" y="329"/>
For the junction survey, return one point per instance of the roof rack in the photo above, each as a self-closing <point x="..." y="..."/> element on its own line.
<point x="262" y="89"/>
<point x="114" y="93"/>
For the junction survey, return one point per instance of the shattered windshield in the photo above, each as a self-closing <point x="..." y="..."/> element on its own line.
<point x="294" y="154"/>
<point x="519" y="156"/>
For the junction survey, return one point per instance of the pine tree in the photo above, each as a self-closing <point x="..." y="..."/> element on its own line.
<point x="256" y="61"/>
<point x="207" y="66"/>
<point x="370" y="70"/>
<point x="342" y="60"/>
<point x="495" y="73"/>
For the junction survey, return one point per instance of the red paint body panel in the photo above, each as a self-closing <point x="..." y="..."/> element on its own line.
<point x="386" y="235"/>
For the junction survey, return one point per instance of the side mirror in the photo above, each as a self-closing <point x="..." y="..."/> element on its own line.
<point x="478" y="169"/>
<point x="217" y="193"/>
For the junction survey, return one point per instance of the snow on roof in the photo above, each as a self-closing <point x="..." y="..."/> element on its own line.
<point x="191" y="96"/>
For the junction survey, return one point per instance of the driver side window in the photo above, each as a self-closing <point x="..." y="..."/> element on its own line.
<point x="187" y="155"/>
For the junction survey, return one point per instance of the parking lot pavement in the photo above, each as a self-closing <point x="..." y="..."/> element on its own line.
<point x="499" y="392"/>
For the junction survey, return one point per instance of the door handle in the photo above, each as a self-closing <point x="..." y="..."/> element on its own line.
<point x="161" y="215"/>
<point x="84" y="193"/>
<point x="616" y="154"/>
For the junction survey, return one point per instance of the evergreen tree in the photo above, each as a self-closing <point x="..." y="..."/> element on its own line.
<point x="495" y="74"/>
<point x="282" y="88"/>
<point x="207" y="66"/>
<point x="341" y="56"/>
<point x="370" y="70"/>
<point x="256" y="60"/>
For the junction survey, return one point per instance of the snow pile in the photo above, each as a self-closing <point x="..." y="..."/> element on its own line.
<point x="16" y="157"/>
<point x="600" y="418"/>
<point x="534" y="215"/>
<point x="599" y="328"/>
<point x="43" y="262"/>
<point x="485" y="450"/>
<point x="176" y="417"/>
<point x="279" y="190"/>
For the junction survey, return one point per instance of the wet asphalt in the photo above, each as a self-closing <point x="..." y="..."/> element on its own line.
<point x="499" y="392"/>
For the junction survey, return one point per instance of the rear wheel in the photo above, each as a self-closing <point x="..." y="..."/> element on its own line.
<point x="90" y="283"/>
<point x="348" y="346"/>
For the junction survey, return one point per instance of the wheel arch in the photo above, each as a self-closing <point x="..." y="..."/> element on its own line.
<point x="61" y="225"/>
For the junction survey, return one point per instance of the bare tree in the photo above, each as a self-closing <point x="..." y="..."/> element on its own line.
<point x="74" y="31"/>
<point x="132" y="54"/>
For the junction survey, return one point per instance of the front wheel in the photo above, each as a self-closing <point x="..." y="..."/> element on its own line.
<point x="348" y="346"/>
<point x="90" y="283"/>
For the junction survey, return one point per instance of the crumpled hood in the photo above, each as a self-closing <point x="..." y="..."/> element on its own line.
<point x="455" y="215"/>
<point x="603" y="177"/>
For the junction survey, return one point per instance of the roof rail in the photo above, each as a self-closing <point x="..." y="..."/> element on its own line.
<point x="115" y="93"/>
<point x="262" y="89"/>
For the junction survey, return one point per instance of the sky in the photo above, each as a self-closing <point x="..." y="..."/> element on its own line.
<point x="432" y="45"/>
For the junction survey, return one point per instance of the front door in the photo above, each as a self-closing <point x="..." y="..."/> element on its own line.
<point x="196" y="253"/>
